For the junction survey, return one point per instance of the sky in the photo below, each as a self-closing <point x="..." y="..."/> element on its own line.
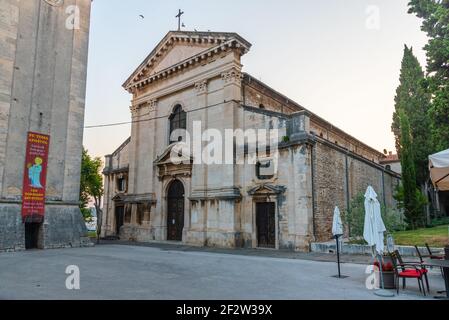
<point x="340" y="59"/>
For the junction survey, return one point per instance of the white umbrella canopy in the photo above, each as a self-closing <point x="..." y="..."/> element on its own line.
<point x="337" y="225"/>
<point x="374" y="228"/>
<point x="439" y="170"/>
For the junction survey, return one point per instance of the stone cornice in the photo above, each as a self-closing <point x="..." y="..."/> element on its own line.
<point x="225" y="193"/>
<point x="187" y="63"/>
<point x="186" y="83"/>
<point x="221" y="40"/>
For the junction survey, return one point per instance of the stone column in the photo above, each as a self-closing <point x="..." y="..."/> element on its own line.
<point x="302" y="226"/>
<point x="198" y="221"/>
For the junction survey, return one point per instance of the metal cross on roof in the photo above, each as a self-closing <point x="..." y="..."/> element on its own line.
<point x="179" y="19"/>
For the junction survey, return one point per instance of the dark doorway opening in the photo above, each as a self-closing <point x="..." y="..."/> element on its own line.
<point x="32" y="231"/>
<point x="175" y="211"/>
<point x="119" y="218"/>
<point x="266" y="225"/>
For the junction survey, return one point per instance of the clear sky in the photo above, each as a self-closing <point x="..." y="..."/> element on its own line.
<point x="338" y="58"/>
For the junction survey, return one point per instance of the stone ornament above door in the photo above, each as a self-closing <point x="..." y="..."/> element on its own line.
<point x="55" y="3"/>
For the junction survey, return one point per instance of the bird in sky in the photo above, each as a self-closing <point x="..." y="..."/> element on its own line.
<point x="142" y="16"/>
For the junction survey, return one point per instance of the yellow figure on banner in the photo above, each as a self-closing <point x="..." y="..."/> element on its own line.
<point x="34" y="173"/>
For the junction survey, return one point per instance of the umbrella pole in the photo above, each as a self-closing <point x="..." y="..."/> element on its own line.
<point x="338" y="256"/>
<point x="338" y="260"/>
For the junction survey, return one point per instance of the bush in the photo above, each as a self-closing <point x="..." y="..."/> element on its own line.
<point x="354" y="219"/>
<point x="416" y="216"/>
<point x="442" y="221"/>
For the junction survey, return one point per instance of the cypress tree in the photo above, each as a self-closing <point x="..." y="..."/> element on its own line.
<point x="414" y="101"/>
<point x="412" y="210"/>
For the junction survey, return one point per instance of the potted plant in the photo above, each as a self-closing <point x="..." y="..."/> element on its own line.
<point x="387" y="274"/>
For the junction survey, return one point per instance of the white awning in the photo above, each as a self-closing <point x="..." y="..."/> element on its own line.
<point x="439" y="170"/>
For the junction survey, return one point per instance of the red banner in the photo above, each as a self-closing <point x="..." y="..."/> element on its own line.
<point x="35" y="178"/>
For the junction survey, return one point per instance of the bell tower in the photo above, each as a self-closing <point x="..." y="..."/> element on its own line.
<point x="43" y="63"/>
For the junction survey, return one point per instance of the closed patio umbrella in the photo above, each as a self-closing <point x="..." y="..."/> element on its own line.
<point x="373" y="232"/>
<point x="337" y="231"/>
<point x="439" y="170"/>
<point x="337" y="225"/>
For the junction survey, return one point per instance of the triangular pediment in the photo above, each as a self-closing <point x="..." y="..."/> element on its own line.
<point x="174" y="54"/>
<point x="178" y="46"/>
<point x="166" y="157"/>
<point x="266" y="189"/>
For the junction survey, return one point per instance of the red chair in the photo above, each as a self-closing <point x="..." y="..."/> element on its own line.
<point x="419" y="264"/>
<point x="421" y="257"/>
<point x="408" y="271"/>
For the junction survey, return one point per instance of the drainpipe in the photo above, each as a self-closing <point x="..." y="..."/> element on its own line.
<point x="347" y="188"/>
<point x="383" y="188"/>
<point x="347" y="181"/>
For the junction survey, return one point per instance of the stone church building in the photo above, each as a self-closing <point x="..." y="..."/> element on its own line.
<point x="197" y="76"/>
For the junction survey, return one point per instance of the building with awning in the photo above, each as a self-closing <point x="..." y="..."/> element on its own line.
<point x="439" y="170"/>
<point x="439" y="174"/>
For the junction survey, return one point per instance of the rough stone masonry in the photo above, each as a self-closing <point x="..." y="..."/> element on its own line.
<point x="43" y="62"/>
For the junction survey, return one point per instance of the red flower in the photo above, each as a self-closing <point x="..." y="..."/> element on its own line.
<point x="386" y="267"/>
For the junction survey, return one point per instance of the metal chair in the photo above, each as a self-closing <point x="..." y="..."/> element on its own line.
<point x="420" y="264"/>
<point x="407" y="271"/>
<point x="421" y="257"/>
<point x="432" y="255"/>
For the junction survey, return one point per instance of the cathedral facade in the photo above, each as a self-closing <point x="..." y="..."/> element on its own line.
<point x="280" y="197"/>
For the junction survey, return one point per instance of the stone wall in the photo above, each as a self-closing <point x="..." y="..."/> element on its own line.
<point x="338" y="178"/>
<point x="43" y="69"/>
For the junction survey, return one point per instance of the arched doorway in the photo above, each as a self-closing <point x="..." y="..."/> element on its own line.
<point x="175" y="211"/>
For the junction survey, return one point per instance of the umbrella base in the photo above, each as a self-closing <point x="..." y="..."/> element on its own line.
<point x="384" y="293"/>
<point x="340" y="277"/>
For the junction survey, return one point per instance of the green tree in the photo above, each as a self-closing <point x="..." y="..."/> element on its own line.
<point x="435" y="21"/>
<point x="413" y="210"/>
<point x="354" y="218"/>
<point x="414" y="101"/>
<point x="91" y="186"/>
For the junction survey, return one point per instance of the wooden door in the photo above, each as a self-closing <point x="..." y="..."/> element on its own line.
<point x="266" y="225"/>
<point x="175" y="211"/>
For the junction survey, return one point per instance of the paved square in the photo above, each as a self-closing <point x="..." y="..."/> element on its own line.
<point x="135" y="272"/>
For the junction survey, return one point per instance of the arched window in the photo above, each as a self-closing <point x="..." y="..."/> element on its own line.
<point x="178" y="120"/>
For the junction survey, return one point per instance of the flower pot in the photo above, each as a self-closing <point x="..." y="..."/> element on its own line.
<point x="389" y="279"/>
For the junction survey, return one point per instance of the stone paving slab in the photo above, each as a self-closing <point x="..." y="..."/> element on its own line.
<point x="174" y="272"/>
<point x="285" y="254"/>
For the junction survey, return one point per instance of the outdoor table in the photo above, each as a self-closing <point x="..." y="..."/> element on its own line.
<point x="444" y="264"/>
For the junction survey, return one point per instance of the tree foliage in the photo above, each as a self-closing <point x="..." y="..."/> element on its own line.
<point x="435" y="15"/>
<point x="91" y="186"/>
<point x="412" y="99"/>
<point x="354" y="218"/>
<point x="412" y="206"/>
